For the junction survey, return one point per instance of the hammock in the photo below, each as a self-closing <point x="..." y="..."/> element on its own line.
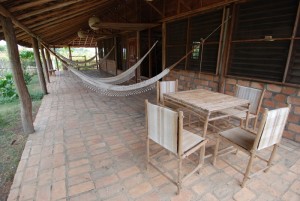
<point x="76" y="62"/>
<point x="70" y="62"/>
<point x="126" y="75"/>
<point x="124" y="90"/>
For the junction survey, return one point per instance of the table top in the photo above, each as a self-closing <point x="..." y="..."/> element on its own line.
<point x="202" y="99"/>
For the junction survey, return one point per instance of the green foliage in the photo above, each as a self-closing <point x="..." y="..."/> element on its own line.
<point x="27" y="77"/>
<point x="26" y="54"/>
<point x="27" y="58"/>
<point x="2" y="48"/>
<point x="8" y="91"/>
<point x="7" y="87"/>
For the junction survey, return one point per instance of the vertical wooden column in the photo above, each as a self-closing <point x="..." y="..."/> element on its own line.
<point x="38" y="63"/>
<point x="46" y="73"/>
<point x="138" y="54"/>
<point x="96" y="54"/>
<point x="56" y="60"/>
<point x="15" y="64"/>
<point x="49" y="60"/>
<point x="116" y="54"/>
<point x="70" y="53"/>
<point x="150" y="54"/>
<point x="164" y="42"/>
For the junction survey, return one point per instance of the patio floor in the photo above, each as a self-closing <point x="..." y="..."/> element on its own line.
<point x="92" y="147"/>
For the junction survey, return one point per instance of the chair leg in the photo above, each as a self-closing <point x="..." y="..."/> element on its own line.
<point x="271" y="157"/>
<point x="248" y="170"/>
<point x="179" y="179"/>
<point x="148" y="154"/>
<point x="216" y="151"/>
<point x="201" y="158"/>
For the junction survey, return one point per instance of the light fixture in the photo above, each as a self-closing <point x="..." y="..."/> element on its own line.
<point x="94" y="22"/>
<point x="81" y="34"/>
<point x="268" y="38"/>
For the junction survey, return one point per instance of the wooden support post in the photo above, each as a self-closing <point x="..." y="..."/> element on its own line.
<point x="150" y="54"/>
<point x="138" y="53"/>
<point x="49" y="60"/>
<point x="57" y="68"/>
<point x="46" y="72"/>
<point x="116" y="54"/>
<point x="164" y="41"/>
<point x="97" y="66"/>
<point x="15" y="64"/>
<point x="70" y="53"/>
<point x="38" y="63"/>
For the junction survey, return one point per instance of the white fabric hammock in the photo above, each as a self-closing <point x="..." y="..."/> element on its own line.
<point x="126" y="75"/>
<point x="101" y="60"/>
<point x="123" y="90"/>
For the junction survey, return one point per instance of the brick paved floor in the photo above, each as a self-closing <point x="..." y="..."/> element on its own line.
<point x="91" y="147"/>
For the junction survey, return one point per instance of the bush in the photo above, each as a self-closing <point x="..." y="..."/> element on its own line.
<point x="7" y="87"/>
<point x="27" y="78"/>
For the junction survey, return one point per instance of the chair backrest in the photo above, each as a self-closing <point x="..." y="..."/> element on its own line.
<point x="165" y="87"/>
<point x="255" y="97"/>
<point x="271" y="128"/>
<point x="162" y="126"/>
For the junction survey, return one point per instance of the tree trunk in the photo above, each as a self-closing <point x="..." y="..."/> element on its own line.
<point x="46" y="73"/>
<point x="15" y="64"/>
<point x="39" y="65"/>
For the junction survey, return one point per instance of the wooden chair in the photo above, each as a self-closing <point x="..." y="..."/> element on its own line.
<point x="255" y="96"/>
<point x="165" y="87"/>
<point x="269" y="134"/>
<point x="165" y="127"/>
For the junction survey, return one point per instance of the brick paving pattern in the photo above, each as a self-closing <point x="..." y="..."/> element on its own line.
<point x="92" y="147"/>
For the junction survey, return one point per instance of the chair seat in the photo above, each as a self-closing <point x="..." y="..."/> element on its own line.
<point x="190" y="140"/>
<point x="240" y="137"/>
<point x="237" y="113"/>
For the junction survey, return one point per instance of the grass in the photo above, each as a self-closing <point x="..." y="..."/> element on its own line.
<point x="12" y="138"/>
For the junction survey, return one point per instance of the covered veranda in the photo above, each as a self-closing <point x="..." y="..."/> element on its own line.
<point x="92" y="147"/>
<point x="84" y="145"/>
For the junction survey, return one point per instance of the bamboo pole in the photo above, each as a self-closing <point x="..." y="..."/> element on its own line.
<point x="15" y="64"/>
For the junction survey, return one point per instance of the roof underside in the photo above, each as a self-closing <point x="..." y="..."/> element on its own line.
<point x="57" y="22"/>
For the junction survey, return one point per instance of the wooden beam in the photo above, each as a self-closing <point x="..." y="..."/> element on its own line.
<point x="184" y="5"/>
<point x="38" y="63"/>
<point x="28" y="5"/>
<point x="6" y="13"/>
<point x="49" y="8"/>
<point x="126" y="26"/>
<point x="198" y="10"/>
<point x="164" y="46"/>
<point x="156" y="9"/>
<point x="15" y="65"/>
<point x="138" y="54"/>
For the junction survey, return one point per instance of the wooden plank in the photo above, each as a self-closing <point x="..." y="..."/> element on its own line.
<point x="6" y="13"/>
<point x="49" y="8"/>
<point x="125" y="26"/>
<point x="198" y="10"/>
<point x="28" y="5"/>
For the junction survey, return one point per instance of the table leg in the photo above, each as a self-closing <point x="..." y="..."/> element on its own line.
<point x="205" y="126"/>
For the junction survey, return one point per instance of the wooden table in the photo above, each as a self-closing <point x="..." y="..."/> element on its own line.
<point x="208" y="105"/>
